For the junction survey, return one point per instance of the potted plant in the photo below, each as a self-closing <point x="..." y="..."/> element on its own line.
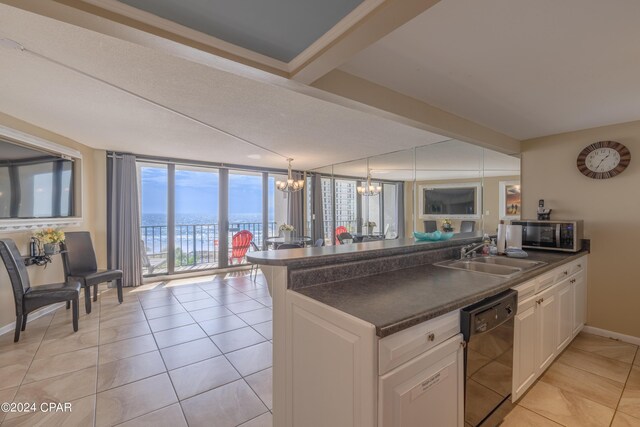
<point x="369" y="226"/>
<point x="446" y="225"/>
<point x="50" y="239"/>
<point x="286" y="230"/>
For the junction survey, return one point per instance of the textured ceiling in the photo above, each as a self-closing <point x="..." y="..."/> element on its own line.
<point x="525" y="68"/>
<point x="280" y="29"/>
<point x="313" y="131"/>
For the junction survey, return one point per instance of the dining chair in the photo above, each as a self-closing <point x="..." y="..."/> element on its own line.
<point x="467" y="226"/>
<point x="345" y="238"/>
<point x="27" y="298"/>
<point x="289" y="246"/>
<point x="254" y="267"/>
<point x="79" y="263"/>
<point x="430" y="226"/>
<point x="339" y="230"/>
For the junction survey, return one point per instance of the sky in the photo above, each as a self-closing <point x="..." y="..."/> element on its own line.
<point x="197" y="192"/>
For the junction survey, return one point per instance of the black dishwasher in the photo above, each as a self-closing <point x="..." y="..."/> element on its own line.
<point x="487" y="328"/>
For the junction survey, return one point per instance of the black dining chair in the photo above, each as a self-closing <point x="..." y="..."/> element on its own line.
<point x="289" y="246"/>
<point x="79" y="262"/>
<point x="467" y="226"/>
<point x="27" y="298"/>
<point x="430" y="226"/>
<point x="345" y="238"/>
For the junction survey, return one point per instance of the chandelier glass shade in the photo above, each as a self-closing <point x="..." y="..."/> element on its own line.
<point x="290" y="185"/>
<point x="368" y="189"/>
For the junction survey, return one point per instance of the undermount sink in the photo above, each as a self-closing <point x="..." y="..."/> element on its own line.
<point x="492" y="265"/>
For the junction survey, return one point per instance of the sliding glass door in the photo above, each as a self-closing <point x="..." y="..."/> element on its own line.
<point x="153" y="182"/>
<point x="196" y="237"/>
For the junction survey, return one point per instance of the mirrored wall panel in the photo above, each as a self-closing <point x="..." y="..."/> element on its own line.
<point x="448" y="186"/>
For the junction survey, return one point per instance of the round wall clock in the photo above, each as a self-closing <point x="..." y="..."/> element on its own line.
<point x="603" y="159"/>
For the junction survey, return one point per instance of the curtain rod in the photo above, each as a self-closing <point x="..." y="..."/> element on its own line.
<point x="197" y="163"/>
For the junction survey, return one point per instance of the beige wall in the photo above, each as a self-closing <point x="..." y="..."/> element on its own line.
<point x="491" y="202"/>
<point x="93" y="209"/>
<point x="611" y="212"/>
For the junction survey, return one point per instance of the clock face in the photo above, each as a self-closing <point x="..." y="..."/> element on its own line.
<point x="604" y="159"/>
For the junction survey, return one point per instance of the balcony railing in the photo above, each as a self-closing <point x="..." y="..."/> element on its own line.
<point x="196" y="245"/>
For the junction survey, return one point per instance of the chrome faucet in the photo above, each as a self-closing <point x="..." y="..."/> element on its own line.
<point x="469" y="250"/>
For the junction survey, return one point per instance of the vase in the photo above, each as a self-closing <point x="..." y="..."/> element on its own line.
<point x="50" y="248"/>
<point x="288" y="235"/>
<point x="368" y="231"/>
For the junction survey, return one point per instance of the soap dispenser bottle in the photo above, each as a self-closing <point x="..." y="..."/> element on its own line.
<point x="487" y="242"/>
<point x="493" y="249"/>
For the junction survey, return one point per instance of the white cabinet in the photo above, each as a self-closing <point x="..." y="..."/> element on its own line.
<point x="525" y="367"/>
<point x="547" y="321"/>
<point x="565" y="313"/>
<point x="330" y="358"/>
<point x="579" y="285"/>
<point x="426" y="391"/>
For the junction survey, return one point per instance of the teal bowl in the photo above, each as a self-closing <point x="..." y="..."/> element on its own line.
<point x="432" y="237"/>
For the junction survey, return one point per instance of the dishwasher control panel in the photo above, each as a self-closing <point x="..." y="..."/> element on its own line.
<point x="489" y="313"/>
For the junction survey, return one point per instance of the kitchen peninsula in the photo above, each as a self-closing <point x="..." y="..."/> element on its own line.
<point x="361" y="331"/>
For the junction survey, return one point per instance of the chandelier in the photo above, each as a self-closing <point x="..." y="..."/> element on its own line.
<point x="290" y="185"/>
<point x="369" y="189"/>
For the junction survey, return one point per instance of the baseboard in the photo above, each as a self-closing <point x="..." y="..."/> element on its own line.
<point x="32" y="316"/>
<point x="609" y="334"/>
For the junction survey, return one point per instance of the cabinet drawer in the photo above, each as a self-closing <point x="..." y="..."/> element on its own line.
<point x="562" y="272"/>
<point x="546" y="280"/>
<point x="578" y="266"/>
<point x="403" y="346"/>
<point x="526" y="289"/>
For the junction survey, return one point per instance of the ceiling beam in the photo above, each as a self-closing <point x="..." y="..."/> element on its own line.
<point x="382" y="20"/>
<point x="419" y="113"/>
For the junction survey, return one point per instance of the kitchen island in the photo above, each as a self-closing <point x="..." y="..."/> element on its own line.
<point x="343" y="315"/>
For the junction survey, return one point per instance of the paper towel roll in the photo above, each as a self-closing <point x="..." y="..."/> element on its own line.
<point x="502" y="237"/>
<point x="514" y="236"/>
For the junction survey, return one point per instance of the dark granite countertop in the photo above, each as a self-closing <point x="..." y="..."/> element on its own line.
<point x="399" y="299"/>
<point x="309" y="257"/>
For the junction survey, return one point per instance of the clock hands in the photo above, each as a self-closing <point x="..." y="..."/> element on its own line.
<point x="605" y="158"/>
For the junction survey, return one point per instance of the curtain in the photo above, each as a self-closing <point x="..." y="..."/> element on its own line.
<point x="123" y="218"/>
<point x="295" y="205"/>
<point x="317" y="210"/>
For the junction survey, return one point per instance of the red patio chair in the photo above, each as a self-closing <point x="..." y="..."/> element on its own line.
<point x="240" y="244"/>
<point x="339" y="231"/>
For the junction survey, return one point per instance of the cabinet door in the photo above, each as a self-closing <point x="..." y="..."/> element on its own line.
<point x="565" y="313"/>
<point x="524" y="343"/>
<point x="547" y="319"/>
<point x="426" y="391"/>
<point x="579" y="285"/>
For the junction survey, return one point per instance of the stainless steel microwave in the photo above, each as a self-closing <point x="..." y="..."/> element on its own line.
<point x="551" y="235"/>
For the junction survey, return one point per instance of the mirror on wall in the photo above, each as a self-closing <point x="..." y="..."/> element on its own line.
<point x="448" y="186"/>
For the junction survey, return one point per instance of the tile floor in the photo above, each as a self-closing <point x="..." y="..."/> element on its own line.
<point x="193" y="352"/>
<point x="594" y="382"/>
<point x="197" y="352"/>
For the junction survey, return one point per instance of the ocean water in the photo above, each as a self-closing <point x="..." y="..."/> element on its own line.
<point x="197" y="236"/>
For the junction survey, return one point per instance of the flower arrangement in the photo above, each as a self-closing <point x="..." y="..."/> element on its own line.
<point x="370" y="224"/>
<point x="287" y="227"/>
<point x="50" y="236"/>
<point x="447" y="225"/>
